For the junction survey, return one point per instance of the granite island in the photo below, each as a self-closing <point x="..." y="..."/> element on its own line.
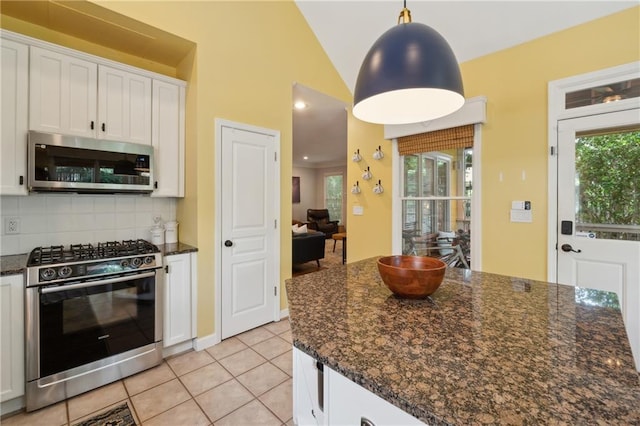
<point x="483" y="349"/>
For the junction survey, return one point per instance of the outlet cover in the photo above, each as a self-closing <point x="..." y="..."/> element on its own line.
<point x="12" y="225"/>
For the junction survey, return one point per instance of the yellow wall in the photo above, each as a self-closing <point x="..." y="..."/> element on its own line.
<point x="514" y="138"/>
<point x="248" y="55"/>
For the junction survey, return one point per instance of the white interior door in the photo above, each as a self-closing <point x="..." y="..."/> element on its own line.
<point x="248" y="234"/>
<point x="598" y="246"/>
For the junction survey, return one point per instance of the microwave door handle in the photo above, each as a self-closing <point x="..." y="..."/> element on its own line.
<point x="47" y="290"/>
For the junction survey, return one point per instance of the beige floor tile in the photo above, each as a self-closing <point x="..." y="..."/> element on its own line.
<point x="271" y="348"/>
<point x="262" y="378"/>
<point x="253" y="413"/>
<point x="159" y="399"/>
<point x="47" y="416"/>
<point x="226" y="347"/>
<point x="278" y="327"/>
<point x="284" y="362"/>
<point x="148" y="379"/>
<point x="105" y="409"/>
<point x="254" y="336"/>
<point x="192" y="360"/>
<point x="242" y="361"/>
<point x="287" y="336"/>
<point x="187" y="413"/>
<point x="96" y="400"/>
<point x="222" y="400"/>
<point x="205" y="378"/>
<point x="280" y="400"/>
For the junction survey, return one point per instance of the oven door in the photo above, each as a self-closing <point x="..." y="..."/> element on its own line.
<point x="88" y="321"/>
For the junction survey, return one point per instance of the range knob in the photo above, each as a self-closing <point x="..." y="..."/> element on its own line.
<point x="149" y="260"/>
<point x="65" y="272"/>
<point x="136" y="262"/>
<point x="47" y="274"/>
<point x="125" y="263"/>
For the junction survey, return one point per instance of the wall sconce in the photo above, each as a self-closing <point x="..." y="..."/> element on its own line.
<point x="378" y="155"/>
<point x="378" y="188"/>
<point x="356" y="188"/>
<point x="356" y="156"/>
<point x="367" y="174"/>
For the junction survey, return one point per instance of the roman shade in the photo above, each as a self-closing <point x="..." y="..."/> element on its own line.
<point x="439" y="140"/>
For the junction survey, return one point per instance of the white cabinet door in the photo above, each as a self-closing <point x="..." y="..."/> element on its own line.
<point x="12" y="372"/>
<point x="168" y="138"/>
<point x="14" y="110"/>
<point x="351" y="404"/>
<point x="178" y="307"/>
<point x="62" y="93"/>
<point x="124" y="106"/>
<point x="309" y="390"/>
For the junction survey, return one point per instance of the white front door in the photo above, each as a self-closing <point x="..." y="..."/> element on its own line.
<point x="249" y="285"/>
<point x="598" y="202"/>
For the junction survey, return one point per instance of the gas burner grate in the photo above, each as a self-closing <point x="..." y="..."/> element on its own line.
<point x="79" y="252"/>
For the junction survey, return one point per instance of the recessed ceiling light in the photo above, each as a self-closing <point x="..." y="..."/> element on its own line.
<point x="299" y="105"/>
<point x="305" y="158"/>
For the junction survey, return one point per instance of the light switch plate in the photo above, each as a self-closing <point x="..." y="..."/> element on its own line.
<point x="521" y="216"/>
<point x="358" y="210"/>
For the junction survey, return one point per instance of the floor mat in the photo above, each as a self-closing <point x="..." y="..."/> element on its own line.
<point x="117" y="416"/>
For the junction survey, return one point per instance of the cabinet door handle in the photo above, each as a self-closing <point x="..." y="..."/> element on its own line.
<point x="21" y="180"/>
<point x="155" y="185"/>
<point x="166" y="269"/>
<point x="366" y="422"/>
<point x="104" y="127"/>
<point x="320" y="379"/>
<point x="92" y="125"/>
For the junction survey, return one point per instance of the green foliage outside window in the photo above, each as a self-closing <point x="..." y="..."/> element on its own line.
<point x="608" y="179"/>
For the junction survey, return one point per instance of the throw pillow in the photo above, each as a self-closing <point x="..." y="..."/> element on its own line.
<point x="300" y="229"/>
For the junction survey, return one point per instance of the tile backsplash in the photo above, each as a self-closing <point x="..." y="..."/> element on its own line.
<point x="53" y="219"/>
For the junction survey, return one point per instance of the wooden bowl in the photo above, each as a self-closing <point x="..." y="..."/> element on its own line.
<point x="411" y="277"/>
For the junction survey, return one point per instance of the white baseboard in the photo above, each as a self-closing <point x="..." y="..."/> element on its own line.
<point x="178" y="348"/>
<point x="201" y="343"/>
<point x="12" y="405"/>
<point x="284" y="313"/>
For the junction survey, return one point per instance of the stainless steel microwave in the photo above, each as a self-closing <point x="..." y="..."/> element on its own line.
<point x="84" y="165"/>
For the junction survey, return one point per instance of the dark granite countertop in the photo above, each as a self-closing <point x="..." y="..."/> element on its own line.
<point x="13" y="264"/>
<point x="176" y="248"/>
<point x="483" y="349"/>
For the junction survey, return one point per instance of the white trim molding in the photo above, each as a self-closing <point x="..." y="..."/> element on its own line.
<point x="557" y="111"/>
<point x="473" y="111"/>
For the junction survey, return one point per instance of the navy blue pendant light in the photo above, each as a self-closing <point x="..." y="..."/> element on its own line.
<point x="409" y="75"/>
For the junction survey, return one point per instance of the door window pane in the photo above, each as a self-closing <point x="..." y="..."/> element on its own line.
<point x="607" y="184"/>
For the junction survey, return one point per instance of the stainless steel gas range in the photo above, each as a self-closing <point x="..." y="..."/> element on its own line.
<point x="93" y="316"/>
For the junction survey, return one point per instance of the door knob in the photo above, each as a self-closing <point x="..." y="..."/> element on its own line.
<point x="567" y="248"/>
<point x="228" y="243"/>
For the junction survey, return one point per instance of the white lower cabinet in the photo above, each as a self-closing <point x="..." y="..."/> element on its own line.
<point x="329" y="398"/>
<point x="179" y="299"/>
<point x="351" y="404"/>
<point x="12" y="375"/>
<point x="309" y="390"/>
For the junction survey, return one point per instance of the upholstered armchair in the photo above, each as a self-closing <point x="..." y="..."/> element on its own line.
<point x="319" y="220"/>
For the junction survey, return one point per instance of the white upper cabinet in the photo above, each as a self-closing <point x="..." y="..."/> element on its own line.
<point x="73" y="96"/>
<point x="14" y="71"/>
<point x="168" y="138"/>
<point x="124" y="106"/>
<point x="62" y="94"/>
<point x="53" y="89"/>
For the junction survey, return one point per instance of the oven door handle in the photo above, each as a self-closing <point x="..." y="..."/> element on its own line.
<point x="95" y="283"/>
